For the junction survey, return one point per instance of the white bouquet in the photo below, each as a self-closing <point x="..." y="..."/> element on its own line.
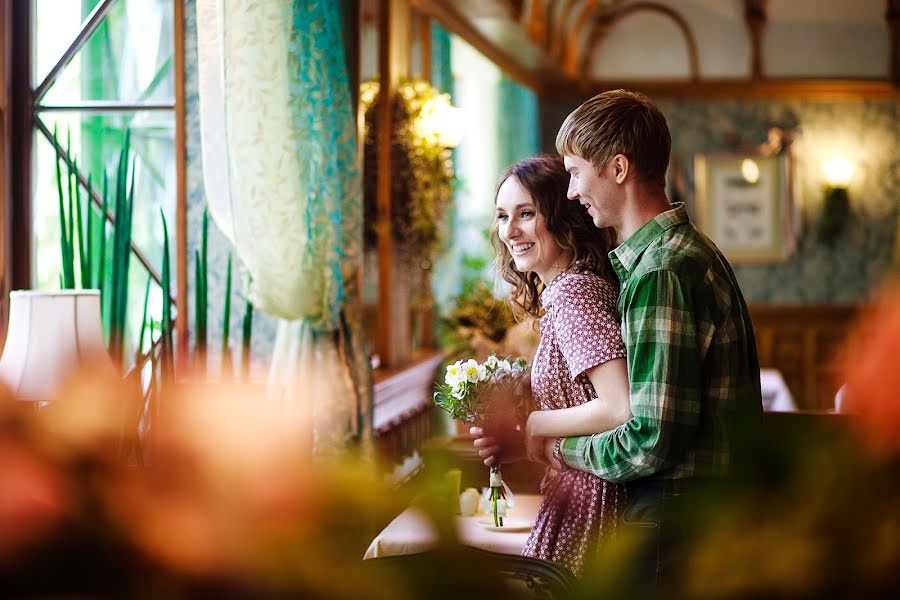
<point x="493" y="395"/>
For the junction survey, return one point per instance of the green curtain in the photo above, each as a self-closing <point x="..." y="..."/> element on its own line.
<point x="518" y="128"/>
<point x="441" y="64"/>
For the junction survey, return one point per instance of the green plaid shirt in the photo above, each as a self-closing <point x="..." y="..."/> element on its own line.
<point x="692" y="360"/>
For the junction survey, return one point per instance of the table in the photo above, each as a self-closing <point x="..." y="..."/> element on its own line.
<point x="411" y="532"/>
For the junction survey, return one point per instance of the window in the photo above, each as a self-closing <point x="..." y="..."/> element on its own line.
<point x="99" y="69"/>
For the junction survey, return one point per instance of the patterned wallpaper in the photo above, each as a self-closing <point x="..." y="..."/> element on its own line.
<point x="218" y="247"/>
<point x="865" y="133"/>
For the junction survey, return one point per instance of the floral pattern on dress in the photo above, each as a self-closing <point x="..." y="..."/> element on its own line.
<point x="579" y="331"/>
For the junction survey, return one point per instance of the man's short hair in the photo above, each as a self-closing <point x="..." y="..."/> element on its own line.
<point x="619" y="122"/>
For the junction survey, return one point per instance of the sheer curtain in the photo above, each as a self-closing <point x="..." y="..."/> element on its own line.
<point x="283" y="184"/>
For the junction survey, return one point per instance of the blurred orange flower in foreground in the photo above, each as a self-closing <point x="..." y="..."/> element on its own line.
<point x="870" y="367"/>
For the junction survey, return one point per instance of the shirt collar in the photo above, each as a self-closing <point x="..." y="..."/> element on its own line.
<point x="625" y="256"/>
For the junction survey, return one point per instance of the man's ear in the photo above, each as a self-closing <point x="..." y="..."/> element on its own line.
<point x="621" y="167"/>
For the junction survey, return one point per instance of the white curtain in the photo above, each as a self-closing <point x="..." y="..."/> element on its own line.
<point x="282" y="183"/>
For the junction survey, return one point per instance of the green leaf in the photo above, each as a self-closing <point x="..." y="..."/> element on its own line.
<point x="226" y="322"/>
<point x="246" y="333"/>
<point x="63" y="228"/>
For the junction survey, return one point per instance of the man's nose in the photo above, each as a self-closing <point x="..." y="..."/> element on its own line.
<point x="571" y="194"/>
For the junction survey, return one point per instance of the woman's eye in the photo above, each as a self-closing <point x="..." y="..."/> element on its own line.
<point x="528" y="213"/>
<point x="502" y="218"/>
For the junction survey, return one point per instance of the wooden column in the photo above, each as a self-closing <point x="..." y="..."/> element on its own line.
<point x="5" y="230"/>
<point x="181" y="252"/>
<point x="392" y="342"/>
<point x="755" y="15"/>
<point x="20" y="136"/>
<point x="425" y="39"/>
<point x="892" y="16"/>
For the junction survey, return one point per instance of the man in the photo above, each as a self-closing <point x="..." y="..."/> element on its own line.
<point x="692" y="364"/>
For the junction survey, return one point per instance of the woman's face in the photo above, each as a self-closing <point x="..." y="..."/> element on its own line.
<point x="524" y="232"/>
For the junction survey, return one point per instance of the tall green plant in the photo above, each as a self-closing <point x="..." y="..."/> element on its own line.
<point x="66" y="243"/>
<point x="246" y="332"/>
<point x="77" y="225"/>
<point x="200" y="298"/>
<point x="167" y="351"/>
<point x="226" y="326"/>
<point x="120" y="259"/>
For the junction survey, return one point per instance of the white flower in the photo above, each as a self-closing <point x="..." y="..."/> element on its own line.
<point x="483" y="373"/>
<point x="470" y="368"/>
<point x="504" y="365"/>
<point x="454" y="374"/>
<point x="458" y="393"/>
<point x="491" y="362"/>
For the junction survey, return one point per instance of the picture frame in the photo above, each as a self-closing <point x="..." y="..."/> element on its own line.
<point x="745" y="205"/>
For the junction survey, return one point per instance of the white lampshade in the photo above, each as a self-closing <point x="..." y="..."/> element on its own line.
<point x="49" y="332"/>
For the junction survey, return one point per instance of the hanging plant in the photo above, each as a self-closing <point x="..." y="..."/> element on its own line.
<point x="423" y="178"/>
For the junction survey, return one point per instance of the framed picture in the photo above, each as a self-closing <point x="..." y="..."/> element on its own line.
<point x="744" y="205"/>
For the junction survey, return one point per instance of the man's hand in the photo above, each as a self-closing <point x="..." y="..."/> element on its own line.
<point x="548" y="455"/>
<point x="492" y="451"/>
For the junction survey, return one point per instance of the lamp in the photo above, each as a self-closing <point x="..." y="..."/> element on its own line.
<point x="442" y="120"/>
<point x="836" y="203"/>
<point x="49" y="333"/>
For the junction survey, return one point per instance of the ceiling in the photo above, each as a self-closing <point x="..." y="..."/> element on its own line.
<point x="553" y="44"/>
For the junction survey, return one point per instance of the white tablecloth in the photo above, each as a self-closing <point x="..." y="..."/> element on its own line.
<point x="411" y="532"/>
<point x="775" y="393"/>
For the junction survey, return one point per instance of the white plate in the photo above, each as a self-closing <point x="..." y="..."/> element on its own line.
<point x="509" y="525"/>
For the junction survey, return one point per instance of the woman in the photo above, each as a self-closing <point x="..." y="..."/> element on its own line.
<point x="548" y="248"/>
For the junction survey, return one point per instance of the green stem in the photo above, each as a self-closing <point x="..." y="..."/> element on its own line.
<point x="247" y="331"/>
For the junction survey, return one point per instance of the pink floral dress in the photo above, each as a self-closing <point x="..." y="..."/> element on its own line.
<point x="579" y="331"/>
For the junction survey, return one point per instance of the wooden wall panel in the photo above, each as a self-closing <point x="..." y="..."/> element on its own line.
<point x="802" y="341"/>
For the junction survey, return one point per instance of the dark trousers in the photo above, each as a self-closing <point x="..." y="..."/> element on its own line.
<point x="654" y="517"/>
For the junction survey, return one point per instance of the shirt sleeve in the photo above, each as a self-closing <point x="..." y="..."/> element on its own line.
<point x="586" y="324"/>
<point x="664" y="373"/>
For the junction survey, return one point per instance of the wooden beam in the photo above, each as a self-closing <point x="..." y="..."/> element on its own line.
<point x="782" y="89"/>
<point x="181" y="246"/>
<point x="392" y="333"/>
<point x="755" y="16"/>
<point x="457" y="23"/>
<point x="604" y="19"/>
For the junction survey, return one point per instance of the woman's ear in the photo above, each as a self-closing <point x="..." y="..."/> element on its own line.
<point x="621" y="167"/>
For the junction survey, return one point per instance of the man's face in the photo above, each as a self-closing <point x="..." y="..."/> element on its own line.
<point x="597" y="193"/>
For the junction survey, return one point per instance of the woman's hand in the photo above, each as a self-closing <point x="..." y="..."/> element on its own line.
<point x="490" y="449"/>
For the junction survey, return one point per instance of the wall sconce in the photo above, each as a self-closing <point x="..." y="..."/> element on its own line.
<point x="836" y="203"/>
<point x="750" y="171"/>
